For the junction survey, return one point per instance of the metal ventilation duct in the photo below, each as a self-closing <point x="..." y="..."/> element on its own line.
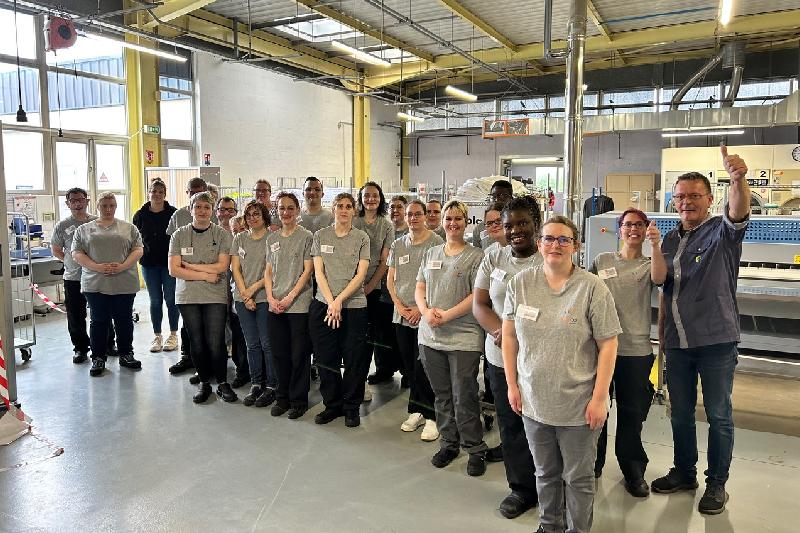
<point x="731" y="56"/>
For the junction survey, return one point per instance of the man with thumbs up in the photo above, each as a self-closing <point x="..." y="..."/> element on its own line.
<point x="701" y="326"/>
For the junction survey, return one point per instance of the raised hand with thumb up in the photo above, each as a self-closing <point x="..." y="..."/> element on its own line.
<point x="733" y="164"/>
<point x="653" y="234"/>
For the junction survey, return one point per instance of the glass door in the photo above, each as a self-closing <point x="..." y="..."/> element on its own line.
<point x="72" y="170"/>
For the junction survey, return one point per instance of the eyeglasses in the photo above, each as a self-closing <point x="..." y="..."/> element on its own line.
<point x="631" y="225"/>
<point x="490" y="223"/>
<point x="693" y="197"/>
<point x="562" y="240"/>
<point x="226" y="209"/>
<point x="252" y="214"/>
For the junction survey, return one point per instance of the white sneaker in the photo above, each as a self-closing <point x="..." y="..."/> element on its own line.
<point x="171" y="343"/>
<point x="413" y="422"/>
<point x="430" y="432"/>
<point x="367" y="394"/>
<point x="157" y="344"/>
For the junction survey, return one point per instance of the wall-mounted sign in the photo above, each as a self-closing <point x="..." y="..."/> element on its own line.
<point x="207" y="160"/>
<point x="149" y="156"/>
<point x="506" y="128"/>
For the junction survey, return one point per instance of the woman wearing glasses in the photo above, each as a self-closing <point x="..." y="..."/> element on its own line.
<point x="630" y="276"/>
<point x="494" y="236"/>
<point x="559" y="335"/>
<point x="451" y="341"/>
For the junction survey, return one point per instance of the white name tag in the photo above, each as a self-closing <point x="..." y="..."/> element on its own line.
<point x="189" y="250"/>
<point x="326" y="249"/>
<point x="434" y="265"/>
<point x="242" y="253"/>
<point x="70" y="230"/>
<point x="527" y="312"/>
<point x="275" y="246"/>
<point x="404" y="259"/>
<point x="608" y="273"/>
<point x="498" y="274"/>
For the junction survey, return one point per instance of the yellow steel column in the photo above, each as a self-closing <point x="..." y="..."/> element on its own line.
<point x="361" y="140"/>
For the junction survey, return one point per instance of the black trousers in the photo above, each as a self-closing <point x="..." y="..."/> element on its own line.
<point x="238" y="346"/>
<point x="332" y="347"/>
<point x="75" y="303"/>
<point x="291" y="350"/>
<point x="205" y="324"/>
<point x="420" y="395"/>
<point x="520" y="470"/>
<point x="381" y="336"/>
<point x="633" y="392"/>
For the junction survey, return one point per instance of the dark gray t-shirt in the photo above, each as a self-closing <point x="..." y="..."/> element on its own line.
<point x="252" y="262"/>
<point x="340" y="258"/>
<point x="448" y="280"/>
<point x="108" y="245"/>
<point x="381" y="233"/>
<point x="62" y="236"/>
<point x="630" y="285"/>
<point x="200" y="248"/>
<point x="405" y="258"/>
<point x="287" y="255"/>
<point x="557" y="333"/>
<point x="314" y="223"/>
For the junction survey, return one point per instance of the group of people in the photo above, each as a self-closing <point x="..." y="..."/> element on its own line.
<point x="348" y="283"/>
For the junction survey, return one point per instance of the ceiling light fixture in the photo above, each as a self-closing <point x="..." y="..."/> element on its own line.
<point x="409" y="118"/>
<point x="531" y="160"/>
<point x="455" y="92"/>
<point x="359" y="54"/>
<point x="725" y="12"/>
<point x="138" y="47"/>
<point x="700" y="133"/>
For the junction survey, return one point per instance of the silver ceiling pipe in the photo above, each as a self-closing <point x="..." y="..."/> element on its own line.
<point x="573" y="130"/>
<point x="549" y="53"/>
<point x="733" y="90"/>
<point x="697" y="76"/>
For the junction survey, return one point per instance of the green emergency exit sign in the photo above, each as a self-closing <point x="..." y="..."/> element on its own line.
<point x="153" y="130"/>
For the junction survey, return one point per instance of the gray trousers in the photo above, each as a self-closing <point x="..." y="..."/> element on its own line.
<point x="563" y="453"/>
<point x="454" y="380"/>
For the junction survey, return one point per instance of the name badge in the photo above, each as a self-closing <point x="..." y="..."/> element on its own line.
<point x="608" y="273"/>
<point x="434" y="265"/>
<point x="498" y="274"/>
<point x="404" y="259"/>
<point x="70" y="230"/>
<point x="275" y="246"/>
<point x="527" y="312"/>
<point x="242" y="253"/>
<point x="189" y="250"/>
<point x="326" y="249"/>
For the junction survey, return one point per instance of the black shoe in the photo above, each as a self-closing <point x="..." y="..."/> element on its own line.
<point x="225" y="392"/>
<point x="494" y="455"/>
<point x="637" y="488"/>
<point x="444" y="457"/>
<point x="128" y="361"/>
<point x="296" y="412"/>
<point x="515" y="504"/>
<point x="476" y="464"/>
<point x="713" y="500"/>
<point x="240" y="381"/>
<point x="278" y="409"/>
<point x="98" y="365"/>
<point x="379" y="377"/>
<point x="194" y="379"/>
<point x="405" y="383"/>
<point x="112" y="352"/>
<point x="328" y="415"/>
<point x="184" y="363"/>
<point x="79" y="357"/>
<point x="266" y="398"/>
<point x="674" y="481"/>
<point x="252" y="396"/>
<point x="352" y="419"/>
<point x="203" y="393"/>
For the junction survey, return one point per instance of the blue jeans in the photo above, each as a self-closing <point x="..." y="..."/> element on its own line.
<point x="161" y="287"/>
<point x="259" y="350"/>
<point x="105" y="308"/>
<point x="715" y="365"/>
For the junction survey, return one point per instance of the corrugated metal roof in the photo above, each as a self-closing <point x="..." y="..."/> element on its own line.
<point x="260" y="10"/>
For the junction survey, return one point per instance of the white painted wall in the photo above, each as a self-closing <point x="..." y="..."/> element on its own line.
<point x="385" y="146"/>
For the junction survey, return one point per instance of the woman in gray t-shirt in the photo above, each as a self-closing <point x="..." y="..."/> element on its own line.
<point x="107" y="250"/>
<point x="450" y="341"/>
<point x="630" y="276"/>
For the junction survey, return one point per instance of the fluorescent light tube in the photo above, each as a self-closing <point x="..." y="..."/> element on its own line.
<point x="138" y="47"/>
<point x="358" y="54"/>
<point x="529" y="160"/>
<point x="700" y="133"/>
<point x="455" y="92"/>
<point x="409" y="118"/>
<point x="726" y="12"/>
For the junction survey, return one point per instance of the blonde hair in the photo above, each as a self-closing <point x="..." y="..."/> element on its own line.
<point x="104" y="196"/>
<point x="458" y="206"/>
<point x="560" y="219"/>
<point x="204" y="196"/>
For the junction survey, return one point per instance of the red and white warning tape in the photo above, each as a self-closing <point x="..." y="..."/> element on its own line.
<point x="3" y="377"/>
<point x="45" y="299"/>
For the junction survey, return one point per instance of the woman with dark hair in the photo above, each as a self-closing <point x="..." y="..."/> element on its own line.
<point x="338" y="314"/>
<point x="521" y="220"/>
<point x="248" y="260"/>
<point x="152" y="220"/>
<point x="630" y="277"/>
<point x="287" y="280"/>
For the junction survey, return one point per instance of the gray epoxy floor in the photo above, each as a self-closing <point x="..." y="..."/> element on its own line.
<point x="139" y="456"/>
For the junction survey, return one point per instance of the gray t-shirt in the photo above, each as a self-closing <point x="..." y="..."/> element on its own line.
<point x="385" y="297"/>
<point x="557" y="333"/>
<point x="405" y="258"/>
<point x="314" y="223"/>
<point x="252" y="262"/>
<point x="340" y="258"/>
<point x="440" y="232"/>
<point x="62" y="237"/>
<point x="448" y="280"/>
<point x="381" y="233"/>
<point x="108" y="245"/>
<point x="200" y="248"/>
<point x="181" y="217"/>
<point x="630" y="285"/>
<point x="497" y="268"/>
<point x="286" y="255"/>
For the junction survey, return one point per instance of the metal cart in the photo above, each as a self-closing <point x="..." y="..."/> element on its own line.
<point x="21" y="291"/>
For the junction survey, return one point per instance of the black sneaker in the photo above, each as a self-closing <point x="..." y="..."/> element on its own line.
<point x="98" y="365"/>
<point x="713" y="500"/>
<point x="266" y="399"/>
<point x="444" y="457"/>
<point x="240" y="381"/>
<point x="184" y="363"/>
<point x="476" y="464"/>
<point x="328" y="415"/>
<point x="203" y="393"/>
<point x="225" y="392"/>
<point x="674" y="481"/>
<point x="79" y="357"/>
<point x="296" y="412"/>
<point x="194" y="379"/>
<point x="516" y="504"/>
<point x="278" y="409"/>
<point x="379" y="377"/>
<point x="252" y="396"/>
<point x="637" y="488"/>
<point x="128" y="361"/>
<point x="494" y="455"/>
<point x="352" y="419"/>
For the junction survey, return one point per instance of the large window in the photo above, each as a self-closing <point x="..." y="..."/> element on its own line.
<point x="25" y="29"/>
<point x="10" y="92"/>
<point x="23" y="161"/>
